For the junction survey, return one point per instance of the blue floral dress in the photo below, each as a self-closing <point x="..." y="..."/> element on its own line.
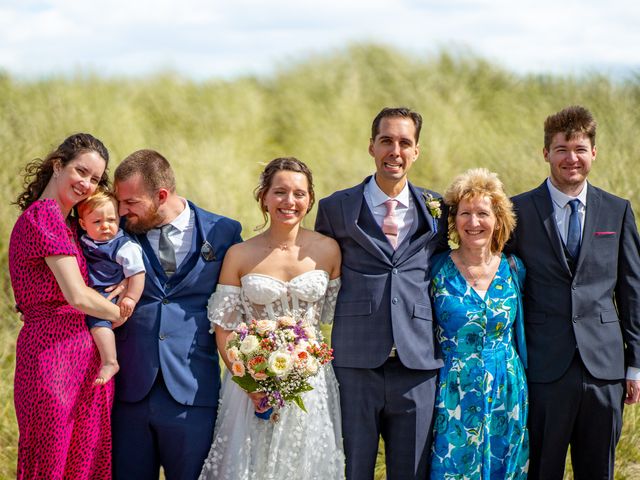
<point x="481" y="405"/>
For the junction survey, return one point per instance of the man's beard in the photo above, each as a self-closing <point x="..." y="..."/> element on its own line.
<point x="142" y="225"/>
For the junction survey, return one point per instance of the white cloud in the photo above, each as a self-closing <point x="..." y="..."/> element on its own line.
<point x="213" y="37"/>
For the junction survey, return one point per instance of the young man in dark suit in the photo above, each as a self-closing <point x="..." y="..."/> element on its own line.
<point x="580" y="247"/>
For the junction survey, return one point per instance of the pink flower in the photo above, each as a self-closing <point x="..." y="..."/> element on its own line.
<point x="286" y="321"/>
<point x="258" y="375"/>
<point x="265" y="326"/>
<point x="233" y="354"/>
<point x="237" y="368"/>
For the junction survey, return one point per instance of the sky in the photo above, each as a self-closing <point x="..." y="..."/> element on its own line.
<point x="204" y="39"/>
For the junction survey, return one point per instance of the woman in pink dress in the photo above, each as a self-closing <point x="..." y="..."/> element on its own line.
<point x="63" y="418"/>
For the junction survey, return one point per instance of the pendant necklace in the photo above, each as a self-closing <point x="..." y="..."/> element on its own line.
<point x="474" y="279"/>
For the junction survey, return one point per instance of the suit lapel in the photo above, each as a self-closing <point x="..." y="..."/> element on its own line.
<point x="544" y="206"/>
<point x="590" y="222"/>
<point x="351" y="206"/>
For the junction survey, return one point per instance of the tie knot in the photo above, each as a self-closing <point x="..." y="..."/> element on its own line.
<point x="574" y="204"/>
<point x="166" y="229"/>
<point x="391" y="206"/>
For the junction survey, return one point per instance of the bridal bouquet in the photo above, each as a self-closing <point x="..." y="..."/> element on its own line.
<point x="277" y="358"/>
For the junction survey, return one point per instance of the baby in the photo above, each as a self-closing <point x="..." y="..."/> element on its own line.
<point x="111" y="257"/>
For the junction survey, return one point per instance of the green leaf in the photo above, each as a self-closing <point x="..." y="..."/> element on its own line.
<point x="247" y="383"/>
<point x="298" y="401"/>
<point x="305" y="388"/>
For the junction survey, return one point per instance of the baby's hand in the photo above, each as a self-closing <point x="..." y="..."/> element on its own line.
<point x="126" y="307"/>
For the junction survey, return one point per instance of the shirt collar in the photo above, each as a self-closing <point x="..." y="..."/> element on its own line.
<point x="378" y="197"/>
<point x="181" y="222"/>
<point x="561" y="199"/>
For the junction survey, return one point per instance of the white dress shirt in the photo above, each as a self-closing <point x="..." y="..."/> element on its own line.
<point x="180" y="235"/>
<point x="562" y="209"/>
<point x="404" y="213"/>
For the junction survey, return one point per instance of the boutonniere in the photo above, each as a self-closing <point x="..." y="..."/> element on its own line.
<point x="433" y="205"/>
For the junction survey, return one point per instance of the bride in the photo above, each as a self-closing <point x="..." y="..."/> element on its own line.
<point x="283" y="269"/>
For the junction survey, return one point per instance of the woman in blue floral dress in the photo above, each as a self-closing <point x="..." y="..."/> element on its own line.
<point x="480" y="427"/>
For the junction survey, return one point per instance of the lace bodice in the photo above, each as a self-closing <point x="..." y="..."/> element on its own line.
<point x="311" y="295"/>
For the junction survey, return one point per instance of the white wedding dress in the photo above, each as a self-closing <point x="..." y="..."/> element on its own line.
<point x="299" y="445"/>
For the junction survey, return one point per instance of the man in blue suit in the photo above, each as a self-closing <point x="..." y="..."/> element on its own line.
<point x="386" y="358"/>
<point x="168" y="384"/>
<point x="580" y="246"/>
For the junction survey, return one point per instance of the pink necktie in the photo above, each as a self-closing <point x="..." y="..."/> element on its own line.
<point x="390" y="223"/>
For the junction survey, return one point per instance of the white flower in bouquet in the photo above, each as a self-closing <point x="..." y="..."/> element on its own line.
<point x="233" y="354"/>
<point x="237" y="368"/>
<point x="280" y="363"/>
<point x="301" y="346"/>
<point x="249" y="344"/>
<point x="310" y="332"/>
<point x="265" y="326"/>
<point x="311" y="365"/>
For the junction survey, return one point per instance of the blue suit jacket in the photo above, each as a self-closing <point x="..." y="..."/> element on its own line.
<point x="384" y="297"/>
<point x="169" y="329"/>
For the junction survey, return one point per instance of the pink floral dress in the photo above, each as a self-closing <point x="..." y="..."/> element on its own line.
<point x="64" y="420"/>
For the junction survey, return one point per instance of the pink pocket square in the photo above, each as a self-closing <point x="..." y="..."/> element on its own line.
<point x="603" y="234"/>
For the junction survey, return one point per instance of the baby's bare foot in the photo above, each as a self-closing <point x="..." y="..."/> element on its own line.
<point x="107" y="371"/>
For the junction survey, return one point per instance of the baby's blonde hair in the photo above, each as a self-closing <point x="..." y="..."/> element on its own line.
<point x="95" y="200"/>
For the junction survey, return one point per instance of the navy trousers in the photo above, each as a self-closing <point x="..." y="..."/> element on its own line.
<point x="392" y="401"/>
<point x="577" y="410"/>
<point x="160" y="431"/>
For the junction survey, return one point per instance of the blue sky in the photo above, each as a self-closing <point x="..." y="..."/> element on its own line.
<point x="225" y="38"/>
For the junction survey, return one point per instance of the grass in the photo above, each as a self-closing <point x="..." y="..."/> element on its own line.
<point x="218" y="134"/>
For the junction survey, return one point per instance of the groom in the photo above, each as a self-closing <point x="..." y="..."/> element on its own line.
<point x="167" y="387"/>
<point x="386" y="359"/>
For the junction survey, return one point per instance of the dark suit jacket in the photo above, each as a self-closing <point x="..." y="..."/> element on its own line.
<point x="384" y="296"/>
<point x="169" y="329"/>
<point x="597" y="310"/>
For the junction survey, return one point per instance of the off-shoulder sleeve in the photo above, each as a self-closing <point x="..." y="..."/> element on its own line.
<point x="225" y="307"/>
<point x="329" y="306"/>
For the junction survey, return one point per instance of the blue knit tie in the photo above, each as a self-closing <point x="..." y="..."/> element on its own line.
<point x="573" y="234"/>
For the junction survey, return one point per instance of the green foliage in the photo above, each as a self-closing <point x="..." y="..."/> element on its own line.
<point x="218" y="135"/>
<point x="246" y="382"/>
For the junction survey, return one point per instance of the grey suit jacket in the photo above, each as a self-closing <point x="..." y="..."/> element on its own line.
<point x="596" y="310"/>
<point x="384" y="295"/>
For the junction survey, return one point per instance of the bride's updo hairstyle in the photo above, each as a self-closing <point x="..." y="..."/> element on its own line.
<point x="290" y="164"/>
